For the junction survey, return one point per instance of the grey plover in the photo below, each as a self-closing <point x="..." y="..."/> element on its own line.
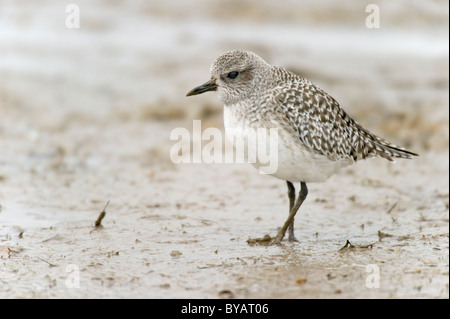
<point x="316" y="136"/>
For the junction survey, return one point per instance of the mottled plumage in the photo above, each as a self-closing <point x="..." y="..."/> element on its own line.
<point x="316" y="136"/>
<point x="323" y="126"/>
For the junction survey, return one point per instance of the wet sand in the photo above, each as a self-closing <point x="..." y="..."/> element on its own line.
<point x="86" y="117"/>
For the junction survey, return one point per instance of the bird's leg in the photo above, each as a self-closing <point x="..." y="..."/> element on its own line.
<point x="291" y="195"/>
<point x="301" y="198"/>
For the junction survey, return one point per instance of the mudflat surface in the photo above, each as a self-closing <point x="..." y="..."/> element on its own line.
<point x="86" y="116"/>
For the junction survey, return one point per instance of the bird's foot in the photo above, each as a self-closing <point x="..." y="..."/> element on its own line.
<point x="277" y="239"/>
<point x="267" y="240"/>
<point x="292" y="239"/>
<point x="260" y="241"/>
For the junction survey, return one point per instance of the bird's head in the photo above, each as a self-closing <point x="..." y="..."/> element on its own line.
<point x="235" y="75"/>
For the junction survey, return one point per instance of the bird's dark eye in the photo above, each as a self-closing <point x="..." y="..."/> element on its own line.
<point x="233" y="75"/>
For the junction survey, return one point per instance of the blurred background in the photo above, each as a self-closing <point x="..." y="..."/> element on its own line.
<point x="115" y="86"/>
<point x="134" y="60"/>
<point x="86" y="113"/>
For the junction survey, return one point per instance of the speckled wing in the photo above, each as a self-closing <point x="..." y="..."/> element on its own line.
<point x="323" y="126"/>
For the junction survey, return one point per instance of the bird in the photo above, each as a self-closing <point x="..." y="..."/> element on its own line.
<point x="316" y="136"/>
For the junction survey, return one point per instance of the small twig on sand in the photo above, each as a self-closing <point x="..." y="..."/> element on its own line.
<point x="49" y="263"/>
<point x="349" y="245"/>
<point x="98" y="222"/>
<point x="391" y="208"/>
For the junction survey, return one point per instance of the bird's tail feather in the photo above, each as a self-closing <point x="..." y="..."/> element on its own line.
<point x="392" y="151"/>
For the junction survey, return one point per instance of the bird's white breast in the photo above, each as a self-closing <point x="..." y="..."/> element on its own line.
<point x="294" y="162"/>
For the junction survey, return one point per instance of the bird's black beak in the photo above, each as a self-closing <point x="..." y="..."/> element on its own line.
<point x="205" y="87"/>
